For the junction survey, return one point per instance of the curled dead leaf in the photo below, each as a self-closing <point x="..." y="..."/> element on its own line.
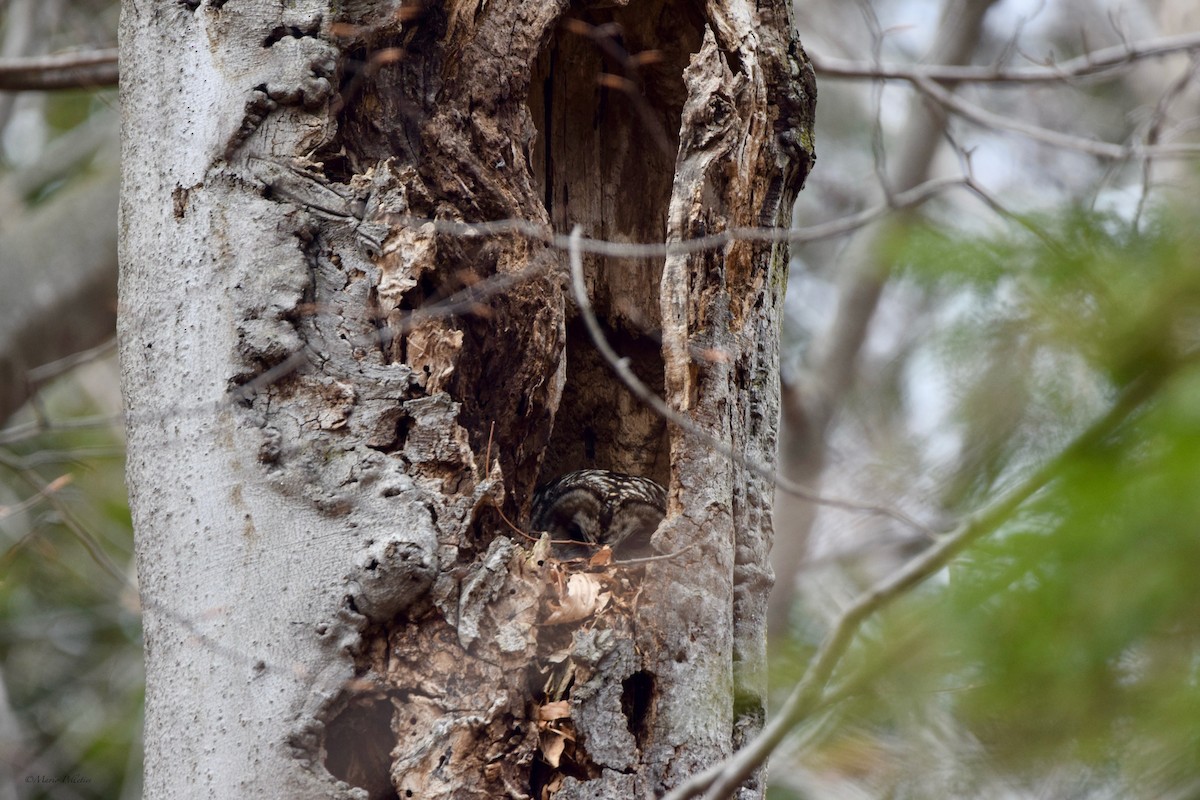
<point x="551" y="745"/>
<point x="559" y="709"/>
<point x="582" y="599"/>
<point x="601" y="558"/>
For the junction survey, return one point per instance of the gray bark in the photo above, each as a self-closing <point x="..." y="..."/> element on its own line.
<point x="319" y="462"/>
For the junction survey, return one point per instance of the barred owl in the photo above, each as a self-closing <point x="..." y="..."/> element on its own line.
<point x="597" y="507"/>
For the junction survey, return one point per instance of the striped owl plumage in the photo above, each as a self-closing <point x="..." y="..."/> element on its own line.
<point x="596" y="507"/>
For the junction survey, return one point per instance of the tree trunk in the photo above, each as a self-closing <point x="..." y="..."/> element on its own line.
<point x="333" y="400"/>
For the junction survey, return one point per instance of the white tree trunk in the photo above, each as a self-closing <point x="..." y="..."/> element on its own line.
<point x="318" y="463"/>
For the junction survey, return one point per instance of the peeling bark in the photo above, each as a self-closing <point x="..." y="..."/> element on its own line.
<point x="321" y="461"/>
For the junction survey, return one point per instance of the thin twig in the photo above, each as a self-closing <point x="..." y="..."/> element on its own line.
<point x="722" y="779"/>
<point x="532" y="538"/>
<point x="1087" y="65"/>
<point x="487" y="455"/>
<point x="660" y="557"/>
<point x="1155" y="127"/>
<point x="466" y="300"/>
<point x="97" y="68"/>
<point x="1106" y="150"/>
<point x="94" y="548"/>
<point x="34" y="499"/>
<point x="621" y="367"/>
<point x="826" y="230"/>
<point x="1021" y="220"/>
<point x="463" y="302"/>
<point x="74" y="455"/>
<point x="40" y="374"/>
<point x="27" y="430"/>
<point x="49" y="491"/>
<point x="607" y="39"/>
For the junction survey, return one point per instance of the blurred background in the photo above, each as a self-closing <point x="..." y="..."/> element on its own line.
<point x="71" y="679"/>
<point x="997" y="292"/>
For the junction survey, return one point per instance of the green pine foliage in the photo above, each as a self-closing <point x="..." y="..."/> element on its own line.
<point x="1071" y="634"/>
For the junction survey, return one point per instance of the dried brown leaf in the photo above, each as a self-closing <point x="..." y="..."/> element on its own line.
<point x="552" y="744"/>
<point x="602" y="557"/>
<point x="583" y="598"/>
<point x="559" y="709"/>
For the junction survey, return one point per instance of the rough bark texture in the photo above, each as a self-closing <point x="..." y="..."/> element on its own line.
<point x="319" y="463"/>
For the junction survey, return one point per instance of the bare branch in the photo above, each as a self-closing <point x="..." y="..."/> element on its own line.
<point x="33" y="499"/>
<point x="1105" y="150"/>
<point x="467" y="300"/>
<point x="91" y="69"/>
<point x="63" y="256"/>
<point x="826" y="230"/>
<point x="25" y="431"/>
<point x="1091" y="64"/>
<point x="836" y="355"/>
<point x="46" y="372"/>
<point x="49" y="492"/>
<point x="720" y="780"/>
<point x="1157" y="124"/>
<point x="607" y="39"/>
<point x="621" y="367"/>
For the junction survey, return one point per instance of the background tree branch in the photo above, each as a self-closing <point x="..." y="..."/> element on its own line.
<point x="810" y="403"/>
<point x="59" y="269"/>
<point x="91" y="69"/>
